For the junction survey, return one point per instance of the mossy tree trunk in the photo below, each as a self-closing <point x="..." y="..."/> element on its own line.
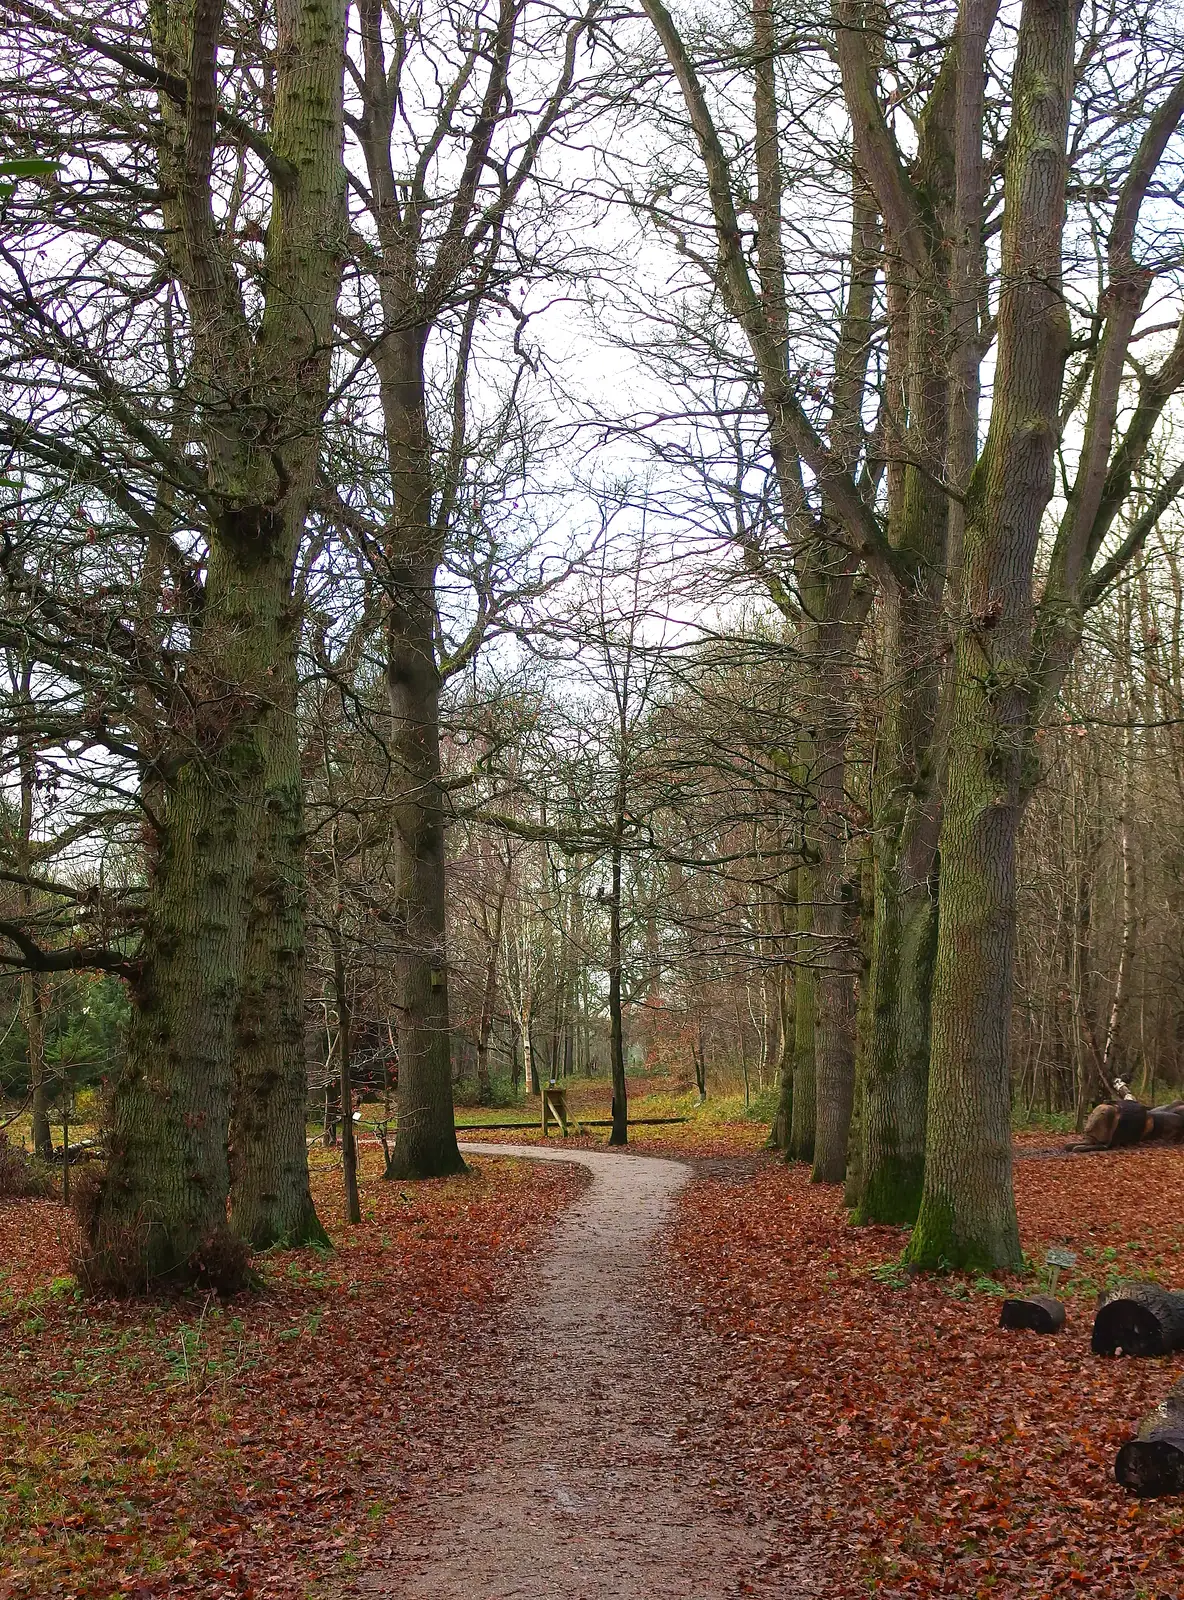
<point x="259" y="389"/>
<point x="433" y="256"/>
<point x="425" y="1139"/>
<point x="493" y="934"/>
<point x="32" y="984"/>
<point x="830" y="529"/>
<point x="167" y="1180"/>
<point x="932" y="208"/>
<point x="620" y="1102"/>
<point x="270" y="1198"/>
<point x="804" y="1098"/>
<point x="967" y="1216"/>
<point x="783" y="1118"/>
<point x="33" y="1016"/>
<point x="834" y="979"/>
<point x="853" y="1182"/>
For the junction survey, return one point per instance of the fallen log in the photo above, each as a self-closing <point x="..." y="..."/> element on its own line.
<point x="1139" y="1319"/>
<point x="1152" y="1463"/>
<point x="1118" y="1124"/>
<point x="1039" y="1313"/>
<point x="1167" y="1124"/>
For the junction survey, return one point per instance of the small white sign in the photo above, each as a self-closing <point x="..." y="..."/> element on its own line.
<point x="1056" y="1257"/>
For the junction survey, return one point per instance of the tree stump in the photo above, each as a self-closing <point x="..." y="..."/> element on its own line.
<point x="1152" y="1463"/>
<point x="1139" y="1319"/>
<point x="1039" y="1313"/>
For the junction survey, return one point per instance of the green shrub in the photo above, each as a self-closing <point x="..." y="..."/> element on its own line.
<point x="763" y="1106"/>
<point x="501" y="1093"/>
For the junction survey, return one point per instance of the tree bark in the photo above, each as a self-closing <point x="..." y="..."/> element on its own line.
<point x="425" y="1139"/>
<point x="270" y="1199"/>
<point x="620" y="1104"/>
<point x="489" y="990"/>
<point x="32" y="984"/>
<point x="896" y="1061"/>
<point x="853" y="1184"/>
<point x="932" y="210"/>
<point x="167" y="1181"/>
<point x="835" y="977"/>
<point x="259" y="396"/>
<point x="783" y="1119"/>
<point x="967" y="1215"/>
<point x="349" y="1142"/>
<point x="804" y="1102"/>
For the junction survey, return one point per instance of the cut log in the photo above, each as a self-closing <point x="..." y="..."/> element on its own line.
<point x="1139" y="1319"/>
<point x="1038" y="1312"/>
<point x="1167" y="1124"/>
<point x="1118" y="1124"/>
<point x="1133" y="1118"/>
<point x="1100" y="1125"/>
<point x="1152" y="1463"/>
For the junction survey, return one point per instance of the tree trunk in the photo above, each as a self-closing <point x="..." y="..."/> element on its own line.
<point x="489" y="992"/>
<point x="835" y="1074"/>
<point x="620" y="1133"/>
<point x="332" y="1105"/>
<point x="783" y="1119"/>
<point x="166" y="1185"/>
<point x="853" y="1186"/>
<point x="32" y="984"/>
<point x="425" y="1139"/>
<point x="932" y="209"/>
<point x="897" y="1048"/>
<point x="801" y="1127"/>
<point x="349" y="1142"/>
<point x="835" y="980"/>
<point x="270" y="1198"/>
<point x="162" y="1208"/>
<point x="33" y="1014"/>
<point x="967" y="1216"/>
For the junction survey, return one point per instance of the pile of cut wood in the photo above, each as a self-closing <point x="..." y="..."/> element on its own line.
<point x="1134" y="1319"/>
<point x="1118" y="1123"/>
<point x="1144" y="1319"/>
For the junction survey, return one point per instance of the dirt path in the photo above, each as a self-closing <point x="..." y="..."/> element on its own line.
<point x="594" y="1491"/>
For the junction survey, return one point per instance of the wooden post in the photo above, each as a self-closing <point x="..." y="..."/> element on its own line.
<point x="554" y="1101"/>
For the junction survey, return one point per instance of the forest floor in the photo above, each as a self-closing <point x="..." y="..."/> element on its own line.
<point x="480" y="1393"/>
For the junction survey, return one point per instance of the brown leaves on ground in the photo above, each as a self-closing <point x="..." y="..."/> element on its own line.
<point x="882" y="1424"/>
<point x="185" y="1448"/>
<point x="891" y="1423"/>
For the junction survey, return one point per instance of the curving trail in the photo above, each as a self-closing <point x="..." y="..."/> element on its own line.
<point x="590" y="1494"/>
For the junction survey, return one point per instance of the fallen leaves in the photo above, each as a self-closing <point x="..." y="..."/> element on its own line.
<point x="258" y="1448"/>
<point x="889" y="1422"/>
<point x="883" y="1427"/>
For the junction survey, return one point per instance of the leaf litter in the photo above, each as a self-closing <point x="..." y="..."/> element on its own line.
<point x="889" y="1422"/>
<point x="884" y="1424"/>
<point x="262" y="1447"/>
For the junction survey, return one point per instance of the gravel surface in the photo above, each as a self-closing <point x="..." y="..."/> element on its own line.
<point x="602" y="1485"/>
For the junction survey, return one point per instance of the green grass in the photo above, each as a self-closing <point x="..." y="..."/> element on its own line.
<point x="1026" y="1119"/>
